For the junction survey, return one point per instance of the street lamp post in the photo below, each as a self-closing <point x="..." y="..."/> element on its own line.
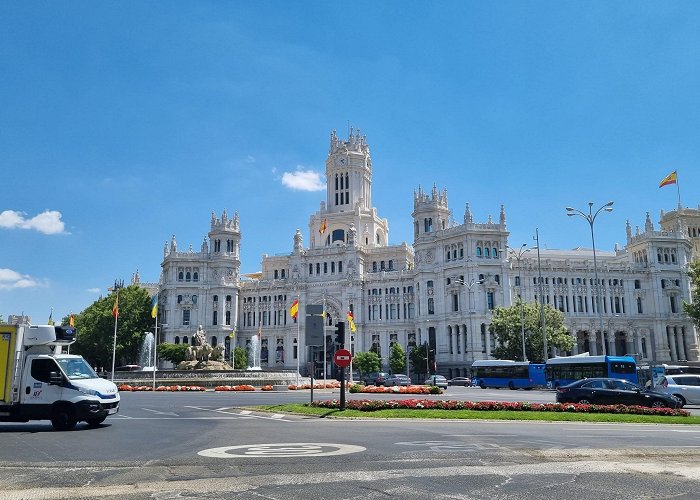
<point x="471" y="312"/>
<point x="518" y="255"/>
<point x="590" y="217"/>
<point x="539" y="278"/>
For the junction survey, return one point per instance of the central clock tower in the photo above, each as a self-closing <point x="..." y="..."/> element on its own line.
<point x="348" y="207"/>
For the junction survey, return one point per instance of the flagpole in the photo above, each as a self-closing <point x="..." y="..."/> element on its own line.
<point x="298" y="349"/>
<point x="116" y="320"/>
<point x="155" y="345"/>
<point x="324" y="339"/>
<point x="678" y="187"/>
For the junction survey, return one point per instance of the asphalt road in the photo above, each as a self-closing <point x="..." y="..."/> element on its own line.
<point x="203" y="445"/>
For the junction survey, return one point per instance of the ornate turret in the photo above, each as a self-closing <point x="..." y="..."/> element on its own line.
<point x="468" y="217"/>
<point x="648" y="225"/>
<point x="502" y="217"/>
<point x="430" y="213"/>
<point x="298" y="242"/>
<point x="628" y="230"/>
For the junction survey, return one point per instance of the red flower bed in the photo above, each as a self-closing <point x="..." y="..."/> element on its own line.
<point x="169" y="388"/>
<point x="428" y="404"/>
<point x="239" y="388"/>
<point x="328" y="385"/>
<point x="411" y="389"/>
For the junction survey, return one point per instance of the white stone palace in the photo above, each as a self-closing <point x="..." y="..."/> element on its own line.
<point x="441" y="289"/>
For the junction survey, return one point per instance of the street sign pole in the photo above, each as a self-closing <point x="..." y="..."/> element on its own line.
<point x="342" y="359"/>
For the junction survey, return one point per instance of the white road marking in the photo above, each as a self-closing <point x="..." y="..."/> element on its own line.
<point x="161" y="412"/>
<point x="242" y="414"/>
<point x="281" y="450"/>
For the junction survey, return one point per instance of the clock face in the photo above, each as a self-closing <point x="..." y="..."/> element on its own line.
<point x="341" y="161"/>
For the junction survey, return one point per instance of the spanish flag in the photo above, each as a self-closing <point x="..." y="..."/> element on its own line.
<point x="671" y="178"/>
<point x="115" y="308"/>
<point x="324" y="226"/>
<point x="294" y="310"/>
<point x="154" y="306"/>
<point x="351" y="322"/>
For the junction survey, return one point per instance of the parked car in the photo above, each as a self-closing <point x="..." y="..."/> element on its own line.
<point x="437" y="380"/>
<point x="374" y="378"/>
<point x="613" y="391"/>
<point x="463" y="381"/>
<point x="397" y="379"/>
<point x="684" y="386"/>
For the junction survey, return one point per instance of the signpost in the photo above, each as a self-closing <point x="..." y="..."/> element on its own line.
<point x="313" y="335"/>
<point x="342" y="358"/>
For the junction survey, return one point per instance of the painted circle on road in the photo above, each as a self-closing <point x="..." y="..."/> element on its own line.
<point x="281" y="450"/>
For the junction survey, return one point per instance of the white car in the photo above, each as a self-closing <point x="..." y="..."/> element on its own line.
<point x="684" y="386"/>
<point x="438" y="381"/>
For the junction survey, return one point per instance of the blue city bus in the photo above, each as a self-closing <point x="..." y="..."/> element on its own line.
<point x="567" y="369"/>
<point x="506" y="373"/>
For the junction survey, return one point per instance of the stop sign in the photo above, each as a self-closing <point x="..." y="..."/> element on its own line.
<point x="342" y="358"/>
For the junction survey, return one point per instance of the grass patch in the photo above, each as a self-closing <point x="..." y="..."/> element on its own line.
<point x="301" y="409"/>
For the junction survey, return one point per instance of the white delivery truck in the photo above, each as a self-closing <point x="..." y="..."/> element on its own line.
<point x="39" y="382"/>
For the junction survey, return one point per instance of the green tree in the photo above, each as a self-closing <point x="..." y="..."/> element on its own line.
<point x="692" y="309"/>
<point x="397" y="358"/>
<point x="420" y="360"/>
<point x="240" y="358"/>
<point x="505" y="325"/>
<point x="175" y="353"/>
<point x="95" y="327"/>
<point x="366" y="362"/>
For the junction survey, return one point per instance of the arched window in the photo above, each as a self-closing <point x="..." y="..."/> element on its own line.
<point x="495" y="252"/>
<point x="215" y="318"/>
<point x="195" y="276"/>
<point x="213" y="341"/>
<point x="184" y="340"/>
<point x="228" y="318"/>
<point x="188" y="276"/>
<point x="216" y="298"/>
<point x="478" y="251"/>
<point x="181" y="275"/>
<point x="177" y="339"/>
<point x="179" y="299"/>
<point x="487" y="252"/>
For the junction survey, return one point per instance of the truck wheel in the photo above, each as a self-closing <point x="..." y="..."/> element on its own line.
<point x="63" y="418"/>
<point x="94" y="422"/>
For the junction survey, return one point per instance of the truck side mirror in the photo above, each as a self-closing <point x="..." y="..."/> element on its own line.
<point x="55" y="378"/>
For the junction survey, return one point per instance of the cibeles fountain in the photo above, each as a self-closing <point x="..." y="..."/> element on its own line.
<point x="202" y="356"/>
<point x="205" y="365"/>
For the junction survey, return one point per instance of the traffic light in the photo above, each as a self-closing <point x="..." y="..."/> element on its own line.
<point x="340" y="333"/>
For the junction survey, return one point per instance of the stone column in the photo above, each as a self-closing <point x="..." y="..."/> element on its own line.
<point x="670" y="338"/>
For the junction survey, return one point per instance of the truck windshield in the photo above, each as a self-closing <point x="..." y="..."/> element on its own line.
<point x="76" y="368"/>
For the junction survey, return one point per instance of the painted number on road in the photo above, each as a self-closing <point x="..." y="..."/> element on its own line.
<point x="281" y="450"/>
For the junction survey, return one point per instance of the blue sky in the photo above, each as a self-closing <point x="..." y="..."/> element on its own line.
<point x="122" y="123"/>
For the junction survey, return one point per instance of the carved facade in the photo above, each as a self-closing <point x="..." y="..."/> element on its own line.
<point x="440" y="289"/>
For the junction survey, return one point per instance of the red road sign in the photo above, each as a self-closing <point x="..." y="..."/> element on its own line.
<point x="342" y="358"/>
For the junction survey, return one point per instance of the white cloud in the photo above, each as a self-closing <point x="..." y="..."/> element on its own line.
<point x="303" y="180"/>
<point x="47" y="222"/>
<point x="10" y="279"/>
<point x="94" y="290"/>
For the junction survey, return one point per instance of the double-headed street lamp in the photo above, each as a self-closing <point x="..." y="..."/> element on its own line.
<point x="518" y="255"/>
<point x="469" y="294"/>
<point x="590" y="217"/>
